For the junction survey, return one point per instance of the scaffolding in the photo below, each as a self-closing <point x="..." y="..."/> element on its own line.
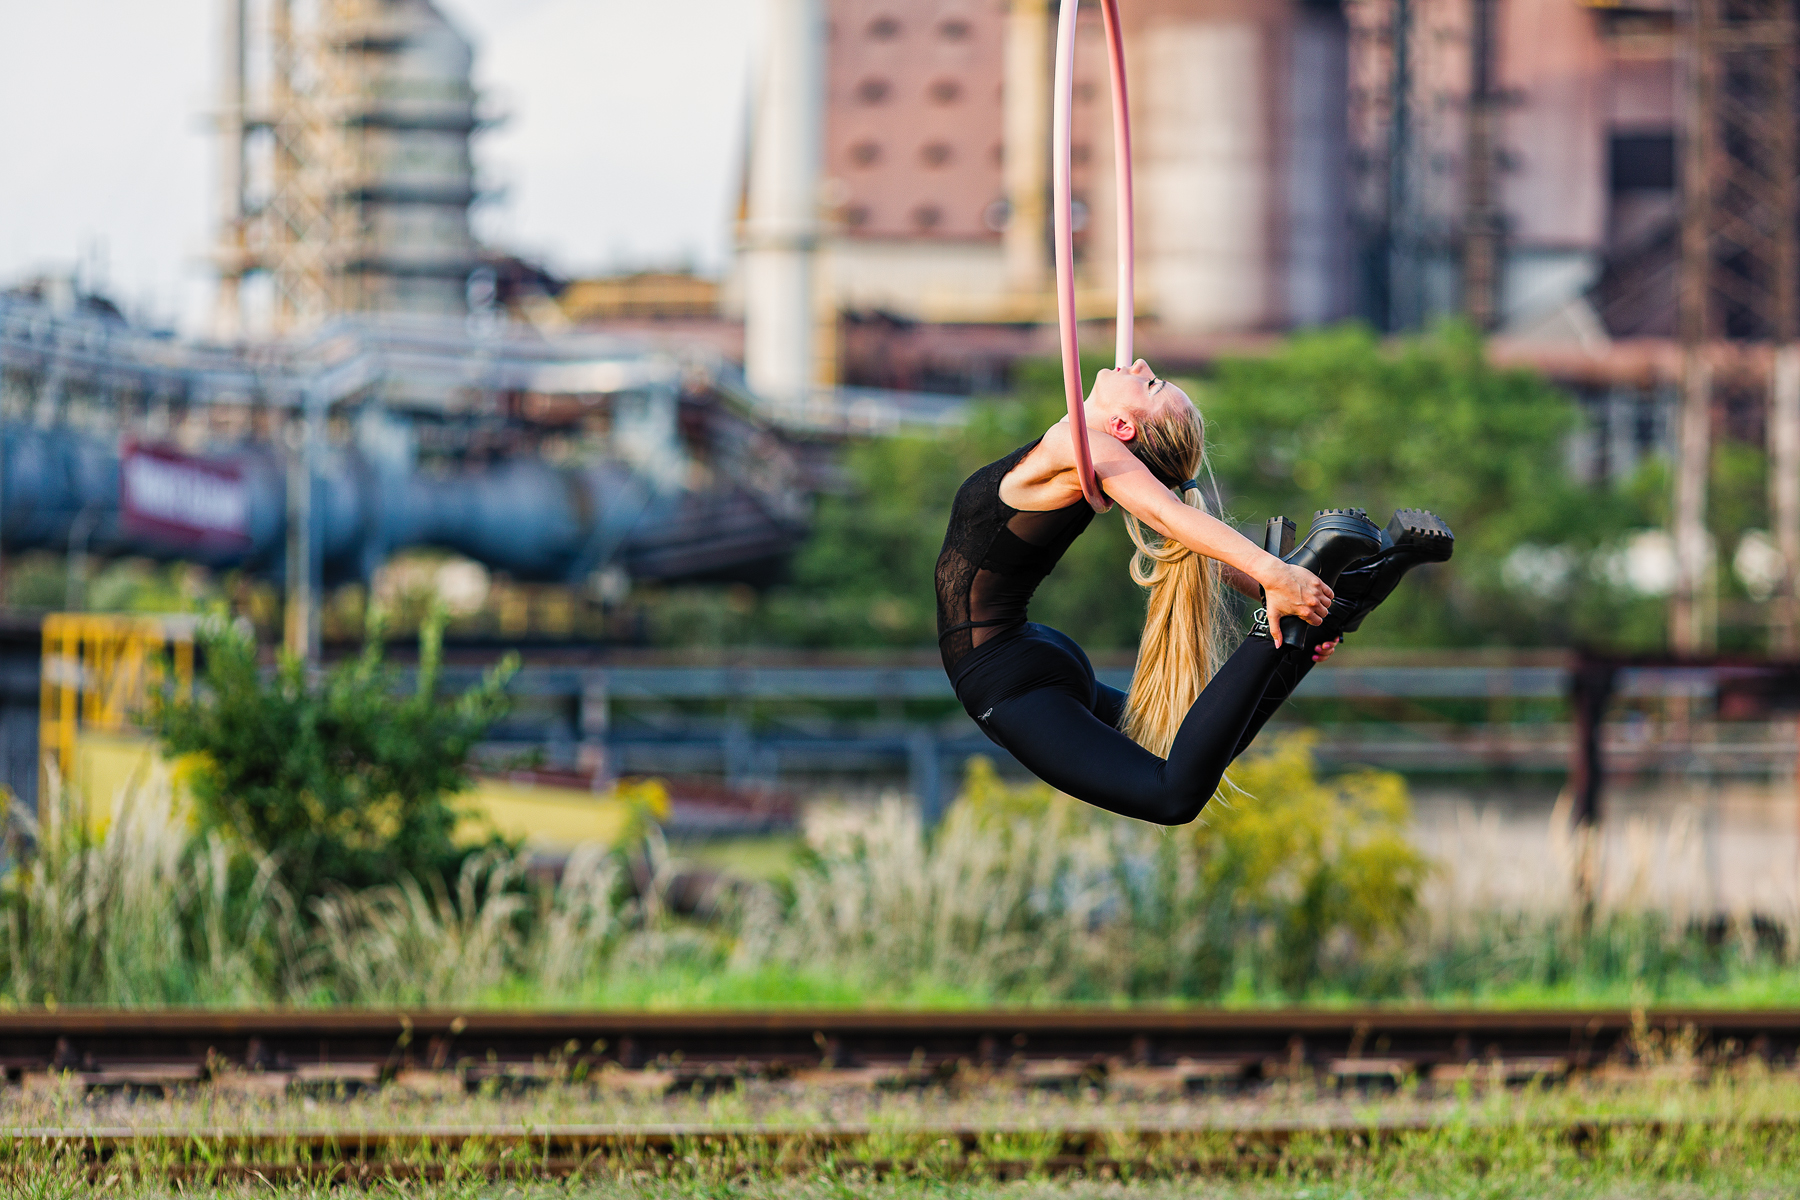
<point x="345" y="168"/>
<point x="1739" y="283"/>
<point x="100" y="672"/>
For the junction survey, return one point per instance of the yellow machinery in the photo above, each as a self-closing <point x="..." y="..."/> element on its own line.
<point x="99" y="671"/>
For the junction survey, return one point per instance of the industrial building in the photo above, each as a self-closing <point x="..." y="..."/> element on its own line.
<point x="346" y="176"/>
<point x="1298" y="162"/>
<point x="1608" y="188"/>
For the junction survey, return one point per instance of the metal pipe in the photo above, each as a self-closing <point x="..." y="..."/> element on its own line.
<point x="304" y="559"/>
<point x="1687" y="625"/>
<point x="1481" y="219"/>
<point x="1784" y="491"/>
<point x="1402" y="308"/>
<point x="521" y="516"/>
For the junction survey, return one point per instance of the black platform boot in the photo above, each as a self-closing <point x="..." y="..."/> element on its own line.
<point x="1412" y="538"/>
<point x="1338" y="537"/>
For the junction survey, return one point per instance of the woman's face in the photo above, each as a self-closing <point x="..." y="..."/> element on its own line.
<point x="1132" y="395"/>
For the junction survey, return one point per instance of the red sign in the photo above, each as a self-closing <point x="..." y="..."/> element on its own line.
<point x="176" y="497"/>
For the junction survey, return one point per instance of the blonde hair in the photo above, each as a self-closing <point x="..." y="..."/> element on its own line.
<point x="1184" y="621"/>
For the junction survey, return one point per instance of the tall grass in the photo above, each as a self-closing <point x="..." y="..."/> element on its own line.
<point x="143" y="913"/>
<point x="1299" y="889"/>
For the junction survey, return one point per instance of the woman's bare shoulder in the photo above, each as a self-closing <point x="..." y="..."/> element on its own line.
<point x="1055" y="452"/>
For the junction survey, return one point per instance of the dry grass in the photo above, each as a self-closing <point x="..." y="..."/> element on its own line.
<point x="1300" y="889"/>
<point x="1496" y="1144"/>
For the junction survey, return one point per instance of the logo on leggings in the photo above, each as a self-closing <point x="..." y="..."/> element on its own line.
<point x="984" y="716"/>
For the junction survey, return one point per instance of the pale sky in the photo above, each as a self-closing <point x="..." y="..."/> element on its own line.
<point x="622" y="148"/>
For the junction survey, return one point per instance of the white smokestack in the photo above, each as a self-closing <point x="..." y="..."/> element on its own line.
<point x="228" y="310"/>
<point x="781" y="227"/>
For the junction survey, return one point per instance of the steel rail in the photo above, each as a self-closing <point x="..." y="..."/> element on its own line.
<point x="115" y="1046"/>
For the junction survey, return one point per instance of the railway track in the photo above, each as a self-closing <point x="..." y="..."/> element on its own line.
<point x="125" y="1049"/>
<point x="1005" y="1150"/>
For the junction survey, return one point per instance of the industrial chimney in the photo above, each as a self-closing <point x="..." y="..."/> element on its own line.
<point x="780" y="231"/>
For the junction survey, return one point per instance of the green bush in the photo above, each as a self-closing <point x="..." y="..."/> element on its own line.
<point x="343" y="779"/>
<point x="1288" y="880"/>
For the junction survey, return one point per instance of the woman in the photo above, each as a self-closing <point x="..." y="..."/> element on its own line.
<point x="1159" y="752"/>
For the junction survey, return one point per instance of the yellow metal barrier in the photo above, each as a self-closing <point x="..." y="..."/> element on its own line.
<point x="99" y="670"/>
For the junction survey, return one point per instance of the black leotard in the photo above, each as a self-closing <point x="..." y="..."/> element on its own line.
<point x="994" y="557"/>
<point x="1032" y="690"/>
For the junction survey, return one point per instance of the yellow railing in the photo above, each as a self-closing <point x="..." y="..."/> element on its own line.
<point x="99" y="671"/>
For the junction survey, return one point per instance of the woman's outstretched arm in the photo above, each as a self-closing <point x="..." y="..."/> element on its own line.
<point x="1286" y="589"/>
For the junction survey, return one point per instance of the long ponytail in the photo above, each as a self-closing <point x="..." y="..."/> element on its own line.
<point x="1184" y="623"/>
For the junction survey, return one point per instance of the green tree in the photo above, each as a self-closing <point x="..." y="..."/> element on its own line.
<point x="343" y="778"/>
<point x="1338" y="419"/>
<point x="1334" y="418"/>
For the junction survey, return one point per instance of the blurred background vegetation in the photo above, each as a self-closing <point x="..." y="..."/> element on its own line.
<point x="1301" y="889"/>
<point x="1333" y="419"/>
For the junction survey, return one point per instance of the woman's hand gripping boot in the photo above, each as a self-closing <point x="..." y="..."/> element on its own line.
<point x="1338" y="538"/>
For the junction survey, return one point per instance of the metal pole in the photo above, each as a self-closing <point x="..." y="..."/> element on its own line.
<point x="1690" y="631"/>
<point x="228" y="314"/>
<point x="1591" y="687"/>
<point x="304" y="558"/>
<point x="1481" y="221"/>
<point x="1784" y="392"/>
<point x="925" y="773"/>
<point x="1687" y="625"/>
<point x="1400" y="282"/>
<point x="1784" y="491"/>
<point x="593" y="719"/>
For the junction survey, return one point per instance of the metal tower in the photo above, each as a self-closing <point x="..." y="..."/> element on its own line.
<point x="1739" y="278"/>
<point x="346" y="172"/>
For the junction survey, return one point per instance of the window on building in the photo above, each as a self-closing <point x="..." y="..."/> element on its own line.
<point x="944" y="91"/>
<point x="884" y="29"/>
<point x="872" y="91"/>
<point x="928" y="216"/>
<point x="954" y="29"/>
<point x="935" y="154"/>
<point x="1642" y="162"/>
<point x="865" y="154"/>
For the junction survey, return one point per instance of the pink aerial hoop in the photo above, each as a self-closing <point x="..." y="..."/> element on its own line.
<point x="1062" y="212"/>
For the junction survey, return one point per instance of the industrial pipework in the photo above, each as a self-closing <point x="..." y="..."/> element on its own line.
<point x="547" y="459"/>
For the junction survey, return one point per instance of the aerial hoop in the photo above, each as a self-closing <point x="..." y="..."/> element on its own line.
<point x="1062" y="213"/>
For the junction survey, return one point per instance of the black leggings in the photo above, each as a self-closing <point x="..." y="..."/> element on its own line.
<point x="1033" y="692"/>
